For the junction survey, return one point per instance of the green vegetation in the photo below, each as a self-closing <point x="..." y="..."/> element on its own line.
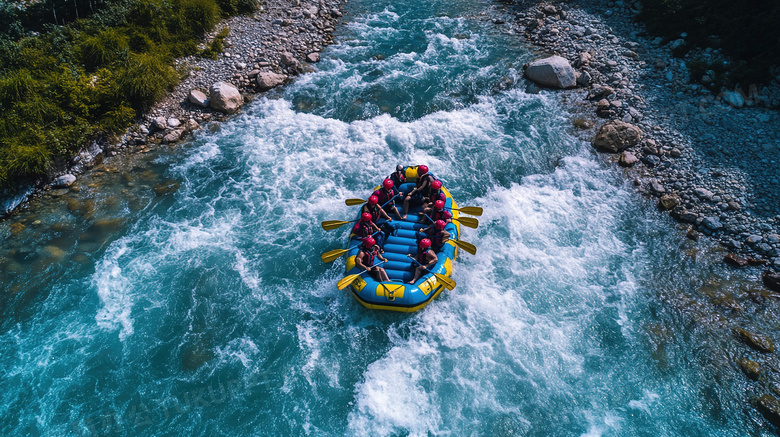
<point x="74" y="71"/>
<point x="747" y="31"/>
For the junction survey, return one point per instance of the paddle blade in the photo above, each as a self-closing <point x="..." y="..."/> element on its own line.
<point x="353" y="202"/>
<point x="471" y="210"/>
<point x="448" y="283"/>
<point x="330" y="225"/>
<point x="345" y="281"/>
<point x="468" y="222"/>
<point x="468" y="247"/>
<point x="332" y="255"/>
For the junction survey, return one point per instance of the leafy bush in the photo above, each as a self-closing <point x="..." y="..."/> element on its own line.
<point x="91" y="77"/>
<point x="215" y="47"/>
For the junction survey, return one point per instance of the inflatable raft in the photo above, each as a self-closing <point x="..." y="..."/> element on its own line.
<point x="398" y="295"/>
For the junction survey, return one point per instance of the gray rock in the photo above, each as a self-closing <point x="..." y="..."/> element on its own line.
<point x="734" y="99"/>
<point x="754" y="239"/>
<point x="159" y="123"/>
<point x="651" y="160"/>
<point x="773" y="238"/>
<point x="199" y="98"/>
<point x="173" y="122"/>
<point x="192" y="125"/>
<point x="668" y="202"/>
<point x="627" y="159"/>
<point x="267" y="80"/>
<point x="657" y="187"/>
<point x="584" y="79"/>
<point x="173" y="136"/>
<point x="688" y="216"/>
<point x="288" y="60"/>
<point x="313" y="57"/>
<point x="225" y="97"/>
<point x="703" y="193"/>
<point x="554" y="71"/>
<point x="615" y="136"/>
<point x="712" y="223"/>
<point x="63" y="181"/>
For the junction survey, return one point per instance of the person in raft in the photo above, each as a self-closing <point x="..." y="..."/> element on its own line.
<point x="436" y="233"/>
<point x="364" y="229"/>
<point x="385" y="196"/>
<point x="372" y="207"/>
<point x="436" y="194"/>
<point x="438" y="212"/>
<point x="398" y="177"/>
<point x="422" y="192"/>
<point x="365" y="260"/>
<point x="426" y="257"/>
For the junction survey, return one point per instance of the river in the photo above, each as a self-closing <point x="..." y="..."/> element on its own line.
<point x="181" y="293"/>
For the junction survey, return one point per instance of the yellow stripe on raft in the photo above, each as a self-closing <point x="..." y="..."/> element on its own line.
<point x="390" y="291"/>
<point x="395" y="308"/>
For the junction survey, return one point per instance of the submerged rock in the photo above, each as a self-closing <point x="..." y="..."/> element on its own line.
<point x="735" y="260"/>
<point x="616" y="135"/>
<point x="769" y="406"/>
<point x="756" y="341"/>
<point x="554" y="71"/>
<point x="771" y="280"/>
<point x="751" y="368"/>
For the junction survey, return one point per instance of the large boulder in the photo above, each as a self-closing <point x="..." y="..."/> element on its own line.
<point x="554" y="71"/>
<point x="616" y="136"/>
<point x="268" y="79"/>
<point x="225" y="97"/>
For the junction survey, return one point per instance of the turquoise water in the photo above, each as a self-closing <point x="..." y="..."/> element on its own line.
<point x="185" y="296"/>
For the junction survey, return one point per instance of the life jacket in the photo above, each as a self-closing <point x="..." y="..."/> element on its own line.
<point x="438" y="195"/>
<point x="397" y="179"/>
<point x="384" y="195"/>
<point x="373" y="210"/>
<point x="368" y="255"/>
<point x="363" y="229"/>
<point x="440" y="215"/>
<point x="437" y="238"/>
<point x="421" y="255"/>
<point x="427" y="192"/>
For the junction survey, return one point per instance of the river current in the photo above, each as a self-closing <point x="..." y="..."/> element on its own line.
<point x="184" y="295"/>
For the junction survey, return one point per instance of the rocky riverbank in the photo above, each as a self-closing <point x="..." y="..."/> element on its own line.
<point x="262" y="51"/>
<point x="710" y="160"/>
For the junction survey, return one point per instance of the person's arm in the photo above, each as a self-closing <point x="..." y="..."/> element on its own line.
<point x="383" y="213"/>
<point x="379" y="253"/>
<point x="445" y="237"/>
<point x="359" y="261"/>
<point x="376" y="228"/>
<point x="433" y="259"/>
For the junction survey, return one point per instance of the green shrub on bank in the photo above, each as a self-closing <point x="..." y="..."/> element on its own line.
<point x="747" y="30"/>
<point x="70" y="84"/>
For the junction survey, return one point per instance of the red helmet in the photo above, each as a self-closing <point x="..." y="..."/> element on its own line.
<point x="436" y="185"/>
<point x="425" y="243"/>
<point x="373" y="200"/>
<point x="366" y="217"/>
<point x="439" y="205"/>
<point x="369" y="242"/>
<point x="422" y="169"/>
<point x="387" y="184"/>
<point x="440" y="224"/>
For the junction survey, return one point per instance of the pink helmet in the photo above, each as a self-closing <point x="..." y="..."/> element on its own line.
<point x="373" y="200"/>
<point x="422" y="169"/>
<point x="436" y="185"/>
<point x="387" y="184"/>
<point x="366" y="217"/>
<point x="369" y="242"/>
<point x="439" y="205"/>
<point x="425" y="243"/>
<point x="440" y="224"/>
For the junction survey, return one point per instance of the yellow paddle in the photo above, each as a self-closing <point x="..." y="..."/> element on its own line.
<point x="333" y="255"/>
<point x="448" y="283"/>
<point x="469" y="222"/>
<point x="470" y="210"/>
<point x="346" y="280"/>
<point x="468" y="247"/>
<point x="353" y="202"/>
<point x="330" y="225"/>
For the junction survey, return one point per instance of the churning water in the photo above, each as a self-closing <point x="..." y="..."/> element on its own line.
<point x="188" y="298"/>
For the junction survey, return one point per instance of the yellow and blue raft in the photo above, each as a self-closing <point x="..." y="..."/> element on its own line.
<point x="398" y="295"/>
